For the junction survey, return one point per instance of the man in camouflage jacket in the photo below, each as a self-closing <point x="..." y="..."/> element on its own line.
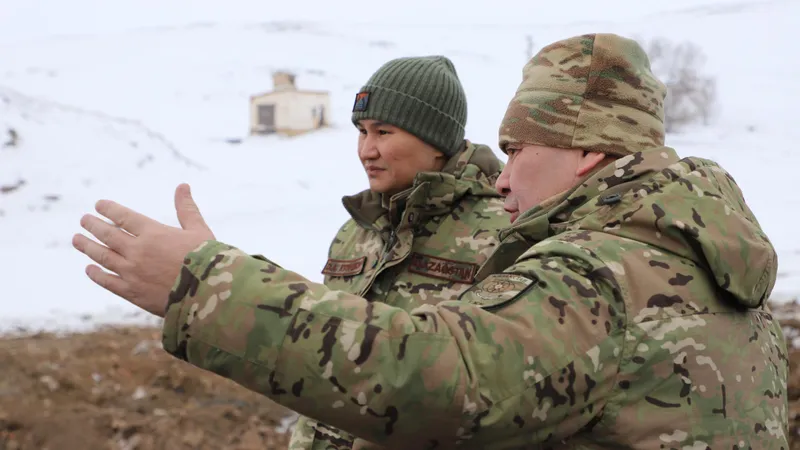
<point x="635" y="317"/>
<point x="412" y="241"/>
<point x="448" y="226"/>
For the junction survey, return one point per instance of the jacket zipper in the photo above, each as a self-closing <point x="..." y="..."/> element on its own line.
<point x="387" y="250"/>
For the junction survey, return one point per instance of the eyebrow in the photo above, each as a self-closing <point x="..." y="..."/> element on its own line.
<point x="373" y="124"/>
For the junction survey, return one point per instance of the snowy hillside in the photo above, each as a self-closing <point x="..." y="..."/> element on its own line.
<point x="157" y="94"/>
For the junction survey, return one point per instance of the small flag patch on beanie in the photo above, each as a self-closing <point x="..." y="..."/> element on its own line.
<point x="362" y="98"/>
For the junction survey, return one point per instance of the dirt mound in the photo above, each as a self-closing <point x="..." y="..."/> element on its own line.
<point x="116" y="389"/>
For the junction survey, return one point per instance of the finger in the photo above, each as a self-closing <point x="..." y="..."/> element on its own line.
<point x="108" y="234"/>
<point x="125" y="218"/>
<point x="100" y="254"/>
<point x="109" y="282"/>
<point x="188" y="212"/>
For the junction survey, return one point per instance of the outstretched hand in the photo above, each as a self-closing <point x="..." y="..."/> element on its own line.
<point x="144" y="255"/>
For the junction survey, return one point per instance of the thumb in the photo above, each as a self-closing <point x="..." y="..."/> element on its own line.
<point x="188" y="213"/>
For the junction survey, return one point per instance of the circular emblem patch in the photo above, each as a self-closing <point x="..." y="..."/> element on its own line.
<point x="497" y="287"/>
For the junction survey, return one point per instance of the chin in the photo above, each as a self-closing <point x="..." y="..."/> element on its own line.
<point x="377" y="188"/>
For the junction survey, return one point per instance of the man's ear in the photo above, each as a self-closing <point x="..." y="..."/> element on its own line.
<point x="439" y="157"/>
<point x="588" y="162"/>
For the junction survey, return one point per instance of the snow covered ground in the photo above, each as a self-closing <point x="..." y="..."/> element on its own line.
<point x="126" y="101"/>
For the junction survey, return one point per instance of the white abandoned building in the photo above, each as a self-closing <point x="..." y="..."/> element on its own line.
<point x="288" y="110"/>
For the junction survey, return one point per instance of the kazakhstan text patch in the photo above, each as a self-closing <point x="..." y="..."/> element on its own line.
<point x="445" y="269"/>
<point x="496" y="289"/>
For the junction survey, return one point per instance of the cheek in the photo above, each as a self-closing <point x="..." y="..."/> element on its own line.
<point x="395" y="161"/>
<point x="384" y="154"/>
<point x="541" y="181"/>
<point x="528" y="183"/>
<point x="520" y="179"/>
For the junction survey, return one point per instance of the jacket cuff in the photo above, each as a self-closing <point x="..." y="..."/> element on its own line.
<point x="176" y="320"/>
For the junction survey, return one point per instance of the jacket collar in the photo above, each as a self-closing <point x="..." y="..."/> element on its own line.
<point x="473" y="170"/>
<point x="596" y="190"/>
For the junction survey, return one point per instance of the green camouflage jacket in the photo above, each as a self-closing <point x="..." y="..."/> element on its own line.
<point x="426" y="247"/>
<point x="638" y="319"/>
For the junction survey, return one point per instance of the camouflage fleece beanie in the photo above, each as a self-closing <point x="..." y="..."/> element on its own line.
<point x="421" y="95"/>
<point x="594" y="92"/>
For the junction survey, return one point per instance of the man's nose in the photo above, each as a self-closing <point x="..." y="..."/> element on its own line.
<point x="367" y="149"/>
<point x="502" y="184"/>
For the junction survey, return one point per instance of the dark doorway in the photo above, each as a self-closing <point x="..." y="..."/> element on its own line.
<point x="266" y="118"/>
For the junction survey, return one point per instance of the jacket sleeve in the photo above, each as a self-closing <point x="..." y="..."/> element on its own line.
<point x="523" y="357"/>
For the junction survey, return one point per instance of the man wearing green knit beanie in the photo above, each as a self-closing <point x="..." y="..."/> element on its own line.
<point x="430" y="216"/>
<point x="411" y="114"/>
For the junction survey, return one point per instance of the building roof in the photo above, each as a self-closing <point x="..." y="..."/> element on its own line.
<point x="297" y="91"/>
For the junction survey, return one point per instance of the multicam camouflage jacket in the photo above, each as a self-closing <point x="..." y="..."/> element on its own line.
<point x="638" y="319"/>
<point x="428" y="244"/>
<point x="423" y="247"/>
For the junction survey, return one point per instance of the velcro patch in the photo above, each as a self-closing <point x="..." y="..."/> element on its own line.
<point x="344" y="267"/>
<point x="496" y="289"/>
<point x="445" y="269"/>
<point x="362" y="99"/>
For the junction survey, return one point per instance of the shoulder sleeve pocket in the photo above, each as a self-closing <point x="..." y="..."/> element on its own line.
<point x="496" y="289"/>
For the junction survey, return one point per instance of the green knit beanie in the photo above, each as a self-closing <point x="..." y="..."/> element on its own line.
<point x="421" y="95"/>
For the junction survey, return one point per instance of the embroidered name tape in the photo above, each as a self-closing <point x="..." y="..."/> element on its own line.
<point x="362" y="99"/>
<point x="344" y="267"/>
<point x="496" y="289"/>
<point x="445" y="269"/>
